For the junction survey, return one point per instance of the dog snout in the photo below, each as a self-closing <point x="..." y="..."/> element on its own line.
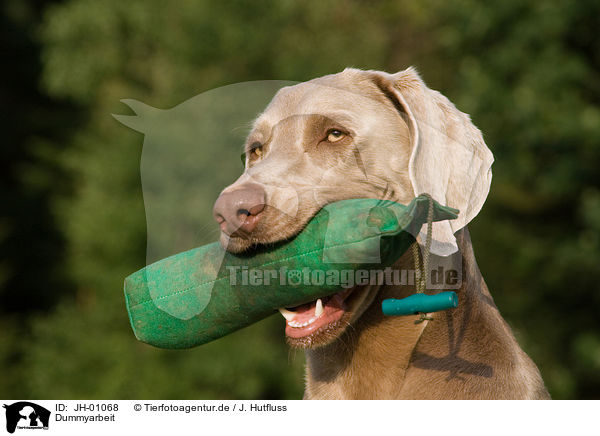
<point x="238" y="211"/>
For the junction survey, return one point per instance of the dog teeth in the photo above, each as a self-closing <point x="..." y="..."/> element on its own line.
<point x="318" y="308"/>
<point x="297" y="324"/>
<point x="287" y="314"/>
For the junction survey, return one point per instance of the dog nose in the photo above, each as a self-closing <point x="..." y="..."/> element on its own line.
<point x="239" y="211"/>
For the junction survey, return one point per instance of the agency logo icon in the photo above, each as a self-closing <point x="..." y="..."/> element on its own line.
<point x="26" y="415"/>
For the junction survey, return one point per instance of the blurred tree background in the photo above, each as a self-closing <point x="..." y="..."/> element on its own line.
<point x="72" y="222"/>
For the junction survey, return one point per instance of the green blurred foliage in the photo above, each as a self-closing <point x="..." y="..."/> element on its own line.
<point x="73" y="226"/>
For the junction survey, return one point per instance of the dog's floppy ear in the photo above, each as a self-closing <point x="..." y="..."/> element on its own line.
<point x="449" y="158"/>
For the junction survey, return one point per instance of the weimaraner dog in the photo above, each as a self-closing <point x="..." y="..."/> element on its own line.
<point x="370" y="134"/>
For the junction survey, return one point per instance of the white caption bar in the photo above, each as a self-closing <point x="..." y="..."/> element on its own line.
<point x="285" y="418"/>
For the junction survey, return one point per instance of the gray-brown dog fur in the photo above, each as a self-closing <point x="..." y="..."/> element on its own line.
<point x="465" y="353"/>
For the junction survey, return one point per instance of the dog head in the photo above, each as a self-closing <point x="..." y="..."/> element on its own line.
<point x="355" y="134"/>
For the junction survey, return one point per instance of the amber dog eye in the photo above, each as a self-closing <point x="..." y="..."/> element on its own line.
<point x="334" y="135"/>
<point x="256" y="149"/>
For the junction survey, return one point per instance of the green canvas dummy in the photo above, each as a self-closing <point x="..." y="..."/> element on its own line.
<point x="202" y="294"/>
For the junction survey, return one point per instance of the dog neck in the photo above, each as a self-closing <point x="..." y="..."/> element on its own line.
<point x="372" y="353"/>
<point x="394" y="357"/>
